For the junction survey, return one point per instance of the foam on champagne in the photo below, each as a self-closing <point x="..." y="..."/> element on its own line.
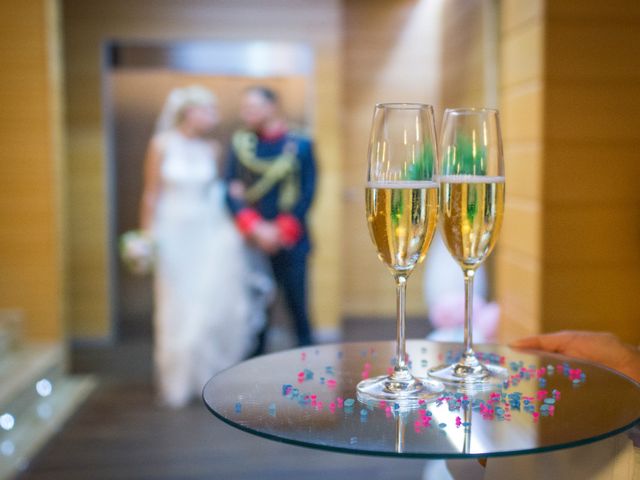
<point x="403" y="184"/>
<point x="470" y="179"/>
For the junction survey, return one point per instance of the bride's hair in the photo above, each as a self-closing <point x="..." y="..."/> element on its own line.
<point x="177" y="102"/>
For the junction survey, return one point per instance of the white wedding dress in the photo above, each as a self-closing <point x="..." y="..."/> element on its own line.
<point x="205" y="313"/>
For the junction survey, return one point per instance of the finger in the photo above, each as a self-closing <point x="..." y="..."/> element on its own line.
<point x="551" y="342"/>
<point x="526" y="342"/>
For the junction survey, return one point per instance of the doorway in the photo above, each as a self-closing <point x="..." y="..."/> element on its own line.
<point x="138" y="79"/>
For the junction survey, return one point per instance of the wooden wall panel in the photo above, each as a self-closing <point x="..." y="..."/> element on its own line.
<point x="591" y="169"/>
<point x="391" y="55"/>
<point x="30" y="273"/>
<point x="431" y="52"/>
<point x="519" y="256"/>
<point x="466" y="61"/>
<point x="88" y="24"/>
<point x="571" y="105"/>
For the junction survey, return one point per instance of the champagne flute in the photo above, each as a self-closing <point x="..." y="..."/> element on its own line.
<point x="471" y="210"/>
<point x="402" y="212"/>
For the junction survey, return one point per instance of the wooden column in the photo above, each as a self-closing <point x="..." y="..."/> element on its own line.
<point x="519" y="257"/>
<point x="30" y="207"/>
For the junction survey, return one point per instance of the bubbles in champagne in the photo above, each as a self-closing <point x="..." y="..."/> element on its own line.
<point x="471" y="218"/>
<point x="402" y="218"/>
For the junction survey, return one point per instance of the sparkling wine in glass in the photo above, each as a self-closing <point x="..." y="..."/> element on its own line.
<point x="471" y="210"/>
<point x="402" y="212"/>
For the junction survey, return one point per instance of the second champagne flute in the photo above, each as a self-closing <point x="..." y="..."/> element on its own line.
<point x="402" y="212"/>
<point x="471" y="210"/>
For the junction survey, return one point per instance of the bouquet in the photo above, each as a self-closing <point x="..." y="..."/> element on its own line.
<point x="137" y="251"/>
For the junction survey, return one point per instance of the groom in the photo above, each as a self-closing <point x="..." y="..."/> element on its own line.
<point x="271" y="182"/>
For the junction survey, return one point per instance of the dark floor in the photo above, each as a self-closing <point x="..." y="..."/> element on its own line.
<point x="121" y="433"/>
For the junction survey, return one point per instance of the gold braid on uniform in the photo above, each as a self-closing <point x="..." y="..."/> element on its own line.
<point x="283" y="168"/>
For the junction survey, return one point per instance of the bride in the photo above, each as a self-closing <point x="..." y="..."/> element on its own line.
<point x="205" y="313"/>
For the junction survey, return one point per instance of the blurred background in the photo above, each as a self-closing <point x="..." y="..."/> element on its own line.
<point x="81" y="82"/>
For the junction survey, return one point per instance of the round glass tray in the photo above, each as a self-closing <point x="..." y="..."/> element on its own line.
<point x="307" y="397"/>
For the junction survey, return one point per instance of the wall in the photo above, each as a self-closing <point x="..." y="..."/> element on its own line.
<point x="591" y="171"/>
<point x="437" y="52"/>
<point x="467" y="54"/>
<point x="520" y="261"/>
<point x="391" y="55"/>
<point x="90" y="23"/>
<point x="571" y="105"/>
<point x="30" y="254"/>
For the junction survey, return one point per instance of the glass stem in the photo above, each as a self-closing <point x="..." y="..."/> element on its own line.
<point x="468" y="313"/>
<point x="401" y="294"/>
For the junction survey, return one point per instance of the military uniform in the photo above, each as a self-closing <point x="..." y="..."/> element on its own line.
<point x="279" y="176"/>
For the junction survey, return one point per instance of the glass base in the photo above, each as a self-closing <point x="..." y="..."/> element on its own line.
<point x="401" y="388"/>
<point x="470" y="373"/>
